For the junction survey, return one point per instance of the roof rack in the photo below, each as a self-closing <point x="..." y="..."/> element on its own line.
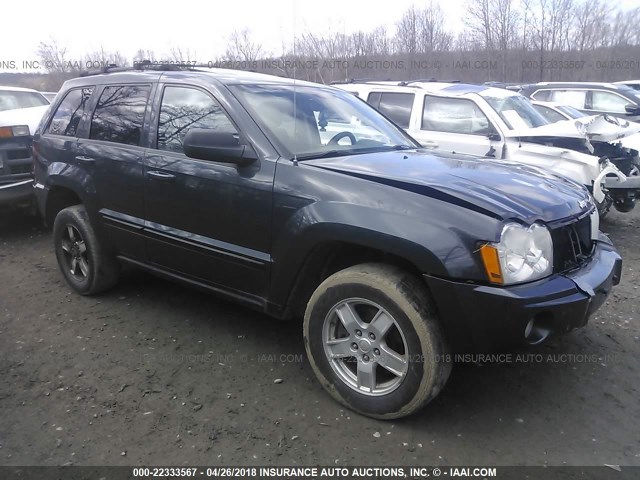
<point x="427" y="80"/>
<point x="145" y="65"/>
<point x="359" y="80"/>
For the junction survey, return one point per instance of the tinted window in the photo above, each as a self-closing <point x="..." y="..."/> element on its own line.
<point x="396" y="106"/>
<point x="185" y="108"/>
<point x="608" y="102"/>
<point x="11" y="100"/>
<point x="453" y="115"/>
<point x="120" y="113"/>
<point x="549" y="113"/>
<point x="69" y="113"/>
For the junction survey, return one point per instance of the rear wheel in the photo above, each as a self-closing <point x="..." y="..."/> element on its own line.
<point x="82" y="259"/>
<point x="374" y="341"/>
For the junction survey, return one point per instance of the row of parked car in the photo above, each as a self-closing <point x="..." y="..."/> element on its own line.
<point x="596" y="144"/>
<point x="303" y="201"/>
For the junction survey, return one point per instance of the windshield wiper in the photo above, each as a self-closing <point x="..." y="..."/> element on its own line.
<point x="355" y="151"/>
<point x="326" y="154"/>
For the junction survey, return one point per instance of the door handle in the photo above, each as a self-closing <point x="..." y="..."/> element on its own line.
<point x="85" y="160"/>
<point x="429" y="144"/>
<point x="161" y="176"/>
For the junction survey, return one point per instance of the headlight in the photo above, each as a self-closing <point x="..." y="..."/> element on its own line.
<point x="522" y="255"/>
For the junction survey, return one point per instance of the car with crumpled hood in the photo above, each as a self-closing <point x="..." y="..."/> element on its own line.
<point x="494" y="122"/>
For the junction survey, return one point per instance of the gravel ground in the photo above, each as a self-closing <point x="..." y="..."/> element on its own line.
<point x="155" y="373"/>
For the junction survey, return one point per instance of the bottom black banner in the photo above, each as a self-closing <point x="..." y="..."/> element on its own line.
<point x="613" y="472"/>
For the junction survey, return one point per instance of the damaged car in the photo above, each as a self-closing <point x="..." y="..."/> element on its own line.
<point x="393" y="256"/>
<point x="493" y="122"/>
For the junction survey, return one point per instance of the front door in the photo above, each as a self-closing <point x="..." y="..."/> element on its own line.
<point x="456" y="125"/>
<point x="205" y="220"/>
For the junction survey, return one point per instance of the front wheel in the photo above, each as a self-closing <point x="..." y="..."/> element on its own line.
<point x="374" y="341"/>
<point x="625" y="201"/>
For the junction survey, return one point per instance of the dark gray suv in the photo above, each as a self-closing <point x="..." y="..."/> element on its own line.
<point x="302" y="201"/>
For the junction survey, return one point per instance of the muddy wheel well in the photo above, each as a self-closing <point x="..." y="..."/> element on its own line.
<point x="329" y="258"/>
<point x="58" y="199"/>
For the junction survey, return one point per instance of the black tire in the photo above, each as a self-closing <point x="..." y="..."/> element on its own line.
<point x="629" y="166"/>
<point x="94" y="270"/>
<point x="404" y="298"/>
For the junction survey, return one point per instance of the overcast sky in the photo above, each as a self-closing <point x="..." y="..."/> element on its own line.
<point x="199" y="26"/>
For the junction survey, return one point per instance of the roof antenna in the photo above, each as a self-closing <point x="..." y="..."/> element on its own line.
<point x="295" y="108"/>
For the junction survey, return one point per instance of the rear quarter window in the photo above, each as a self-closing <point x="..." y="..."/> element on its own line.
<point x="67" y="117"/>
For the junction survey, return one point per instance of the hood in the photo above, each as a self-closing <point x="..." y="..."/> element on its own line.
<point x="23" y="116"/>
<point x="500" y="189"/>
<point x="602" y="128"/>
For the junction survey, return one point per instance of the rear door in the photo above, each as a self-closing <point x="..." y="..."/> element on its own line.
<point x="455" y="125"/>
<point x="59" y="139"/>
<point x="113" y="154"/>
<point x="205" y="220"/>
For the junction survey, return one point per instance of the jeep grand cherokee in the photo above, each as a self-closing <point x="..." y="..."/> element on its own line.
<point x="300" y="200"/>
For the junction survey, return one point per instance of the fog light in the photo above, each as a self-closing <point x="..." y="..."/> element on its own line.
<point x="539" y="328"/>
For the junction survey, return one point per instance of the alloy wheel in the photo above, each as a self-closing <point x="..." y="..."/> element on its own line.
<point x="74" y="251"/>
<point x="365" y="346"/>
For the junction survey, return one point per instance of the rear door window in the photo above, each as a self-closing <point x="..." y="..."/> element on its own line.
<point x="119" y="115"/>
<point x="573" y="98"/>
<point x="453" y="115"/>
<point x="69" y="113"/>
<point x="396" y="106"/>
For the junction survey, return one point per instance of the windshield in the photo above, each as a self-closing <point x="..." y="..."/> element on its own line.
<point x="11" y="100"/>
<point x="570" y="111"/>
<point x="322" y="123"/>
<point x="516" y="111"/>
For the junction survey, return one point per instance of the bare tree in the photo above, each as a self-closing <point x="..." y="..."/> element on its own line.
<point x="55" y="59"/>
<point x="590" y="24"/>
<point x="182" y="55"/>
<point x="479" y="22"/>
<point x="241" y="47"/>
<point x="102" y="58"/>
<point x="142" y="55"/>
<point x="624" y="28"/>
<point x="407" y="32"/>
<point x="432" y="33"/>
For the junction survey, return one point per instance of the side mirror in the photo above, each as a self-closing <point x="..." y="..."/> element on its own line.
<point x="224" y="147"/>
<point x="632" y="109"/>
<point x="494" y="136"/>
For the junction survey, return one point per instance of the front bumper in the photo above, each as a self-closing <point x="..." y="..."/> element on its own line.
<point x="15" y="171"/>
<point x="483" y="318"/>
<point x="15" y="193"/>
